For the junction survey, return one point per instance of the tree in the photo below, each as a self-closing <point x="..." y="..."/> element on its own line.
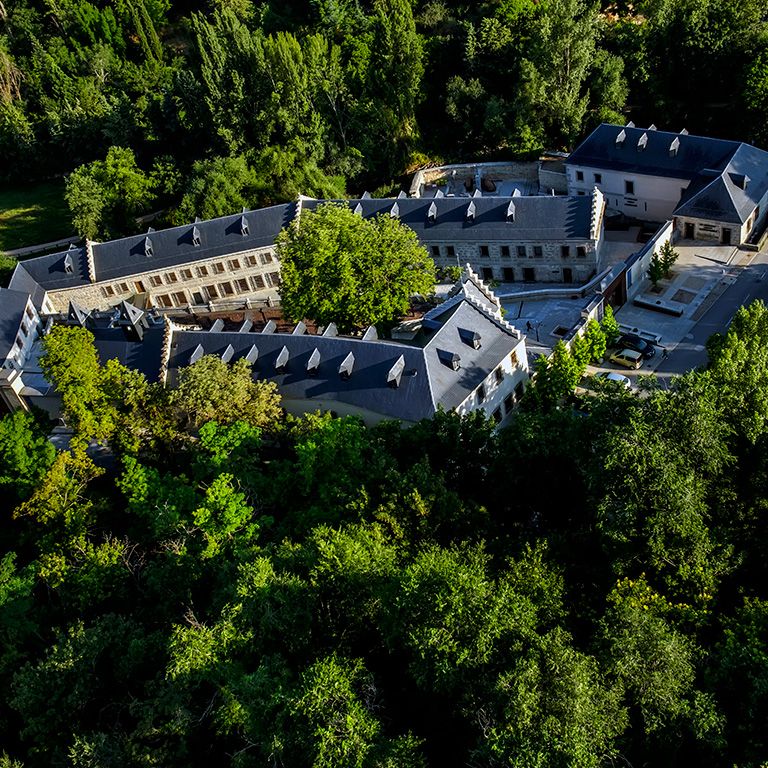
<point x="610" y="326"/>
<point x="596" y="340"/>
<point x="555" y="378"/>
<point x="656" y="269"/>
<point x="667" y="257"/>
<point x="212" y="390"/>
<point x="338" y="267"/>
<point x="25" y="453"/>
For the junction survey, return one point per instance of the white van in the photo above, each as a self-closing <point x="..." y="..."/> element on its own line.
<point x="628" y="358"/>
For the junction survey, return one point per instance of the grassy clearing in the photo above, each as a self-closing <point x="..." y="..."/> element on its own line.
<point x="33" y="214"/>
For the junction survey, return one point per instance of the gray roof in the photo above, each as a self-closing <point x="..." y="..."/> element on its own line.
<point x="600" y="150"/>
<point x="12" y="306"/>
<point x="427" y="379"/>
<point x="715" y="167"/>
<point x="536" y="218"/>
<point x="169" y="247"/>
<point x="144" y="356"/>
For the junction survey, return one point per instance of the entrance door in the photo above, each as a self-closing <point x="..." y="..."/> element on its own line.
<point x="725" y="238"/>
<point x="567" y="275"/>
<point x="529" y="274"/>
<point x="690" y="231"/>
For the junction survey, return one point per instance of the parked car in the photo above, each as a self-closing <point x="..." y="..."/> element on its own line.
<point x="633" y="341"/>
<point x="617" y="378"/>
<point x="629" y="358"/>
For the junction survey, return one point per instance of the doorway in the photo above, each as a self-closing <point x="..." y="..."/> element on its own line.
<point x="529" y="274"/>
<point x="725" y="237"/>
<point x="567" y="275"/>
<point x="690" y="231"/>
<point x="509" y="275"/>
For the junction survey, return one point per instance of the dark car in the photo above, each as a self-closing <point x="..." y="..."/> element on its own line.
<point x="632" y="341"/>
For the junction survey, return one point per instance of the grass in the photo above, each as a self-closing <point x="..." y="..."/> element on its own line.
<point x="33" y="213"/>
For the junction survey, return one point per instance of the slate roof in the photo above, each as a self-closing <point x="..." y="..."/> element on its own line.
<point x="170" y="248"/>
<point x="12" y="306"/>
<point x="715" y="167"/>
<point x="144" y="356"/>
<point x="536" y="218"/>
<point x="427" y="379"/>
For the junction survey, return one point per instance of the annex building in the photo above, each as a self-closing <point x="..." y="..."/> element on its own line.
<point x="713" y="190"/>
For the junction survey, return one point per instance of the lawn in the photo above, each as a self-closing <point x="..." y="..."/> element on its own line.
<point x="32" y="214"/>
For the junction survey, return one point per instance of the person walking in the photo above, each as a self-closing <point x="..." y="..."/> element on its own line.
<point x="664" y="353"/>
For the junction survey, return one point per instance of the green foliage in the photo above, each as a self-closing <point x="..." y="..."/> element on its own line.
<point x="338" y="267"/>
<point x="556" y="377"/>
<point x="211" y="390"/>
<point x="610" y="326"/>
<point x="667" y="257"/>
<point x="25" y="453"/>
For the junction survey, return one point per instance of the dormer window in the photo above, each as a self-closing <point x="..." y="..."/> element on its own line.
<point x="396" y="372"/>
<point x="642" y="143"/>
<point x="69" y="266"/>
<point x="195" y="236"/>
<point x="347" y="364"/>
<point x="394" y="211"/>
<point x="243" y="226"/>
<point x="621" y="138"/>
<point x="674" y="147"/>
<point x="148" y="250"/>
<point x="451" y="359"/>
<point x="358" y="210"/>
<point x="227" y="354"/>
<point x="282" y="360"/>
<point x="470" y="338"/>
<point x="471" y="210"/>
<point x="511" y="211"/>
<point x="313" y="364"/>
<point x="432" y="212"/>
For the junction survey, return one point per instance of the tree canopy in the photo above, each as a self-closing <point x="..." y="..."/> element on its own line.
<point x="337" y="267"/>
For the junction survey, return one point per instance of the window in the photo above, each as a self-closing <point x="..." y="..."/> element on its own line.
<point x="521" y="251"/>
<point x="266" y="258"/>
<point x="218" y="268"/>
<point x="499" y="374"/>
<point x="108" y="291"/>
<point x="484" y="253"/>
<point x="509" y="275"/>
<point x="123" y="287"/>
<point x="505" y="251"/>
<point x="202" y="271"/>
<point x="629" y="187"/>
<point x="180" y="299"/>
<point x="211" y="292"/>
<point x="435" y="250"/>
<point x="487" y="274"/>
<point x="579" y="175"/>
<point x="509" y="403"/>
<point x="258" y="282"/>
<point x="529" y="274"/>
<point x="186" y="274"/>
<point x="450" y="250"/>
<point x="171" y="277"/>
<point x="581" y="252"/>
<point x="598" y="178"/>
<point x="513" y="358"/>
<point x="497" y="415"/>
<point x="30" y="314"/>
<point x="242" y="286"/>
<point x="197" y="298"/>
<point x="519" y="390"/>
<point x="538" y="252"/>
<point x="226" y="289"/>
<point x="275" y="277"/>
<point x="164" y="300"/>
<point x="481" y="393"/>
<point x="580" y="193"/>
<point x="19" y="342"/>
<point x="155" y="281"/>
<point x="233" y="264"/>
<point x="253" y="260"/>
<point x="140" y="287"/>
<point x="565" y="251"/>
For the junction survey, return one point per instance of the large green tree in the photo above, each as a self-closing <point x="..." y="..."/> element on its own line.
<point x="339" y="267"/>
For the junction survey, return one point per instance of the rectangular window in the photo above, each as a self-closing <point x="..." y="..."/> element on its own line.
<point x="140" y="287"/>
<point x="484" y="253"/>
<point x="258" y="282"/>
<point x="30" y="314"/>
<point x="164" y="300"/>
<point x="450" y="250"/>
<point x="266" y="258"/>
<point x="202" y="271"/>
<point x="629" y="187"/>
<point x="197" y="298"/>
<point x="171" y="277"/>
<point x="497" y="415"/>
<point x="481" y="393"/>
<point x="253" y="260"/>
<point x="123" y="287"/>
<point x="226" y="289"/>
<point x="538" y="252"/>
<point x="521" y="251"/>
<point x="19" y="342"/>
<point x="529" y="274"/>
<point x="499" y="374"/>
<point x="155" y="281"/>
<point x="509" y="275"/>
<point x="598" y="178"/>
<point x="275" y="277"/>
<point x="519" y="390"/>
<point x="241" y="285"/>
<point x="581" y="252"/>
<point x="218" y="268"/>
<point x="579" y="175"/>
<point x="186" y="274"/>
<point x="211" y="292"/>
<point x="233" y="264"/>
<point x="180" y="299"/>
<point x="509" y="402"/>
<point x="565" y="251"/>
<point x="487" y="274"/>
<point x="505" y="251"/>
<point x="435" y="250"/>
<point x="513" y="358"/>
<point x="108" y="291"/>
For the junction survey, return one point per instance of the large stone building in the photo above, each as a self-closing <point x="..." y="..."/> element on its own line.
<point x="713" y="190"/>
<point x="462" y="356"/>
<point x="531" y="239"/>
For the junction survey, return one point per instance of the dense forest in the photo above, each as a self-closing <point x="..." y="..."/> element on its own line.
<point x="197" y="107"/>
<point x="229" y="585"/>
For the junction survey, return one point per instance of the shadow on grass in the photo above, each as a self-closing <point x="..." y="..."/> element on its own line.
<point x="33" y="214"/>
